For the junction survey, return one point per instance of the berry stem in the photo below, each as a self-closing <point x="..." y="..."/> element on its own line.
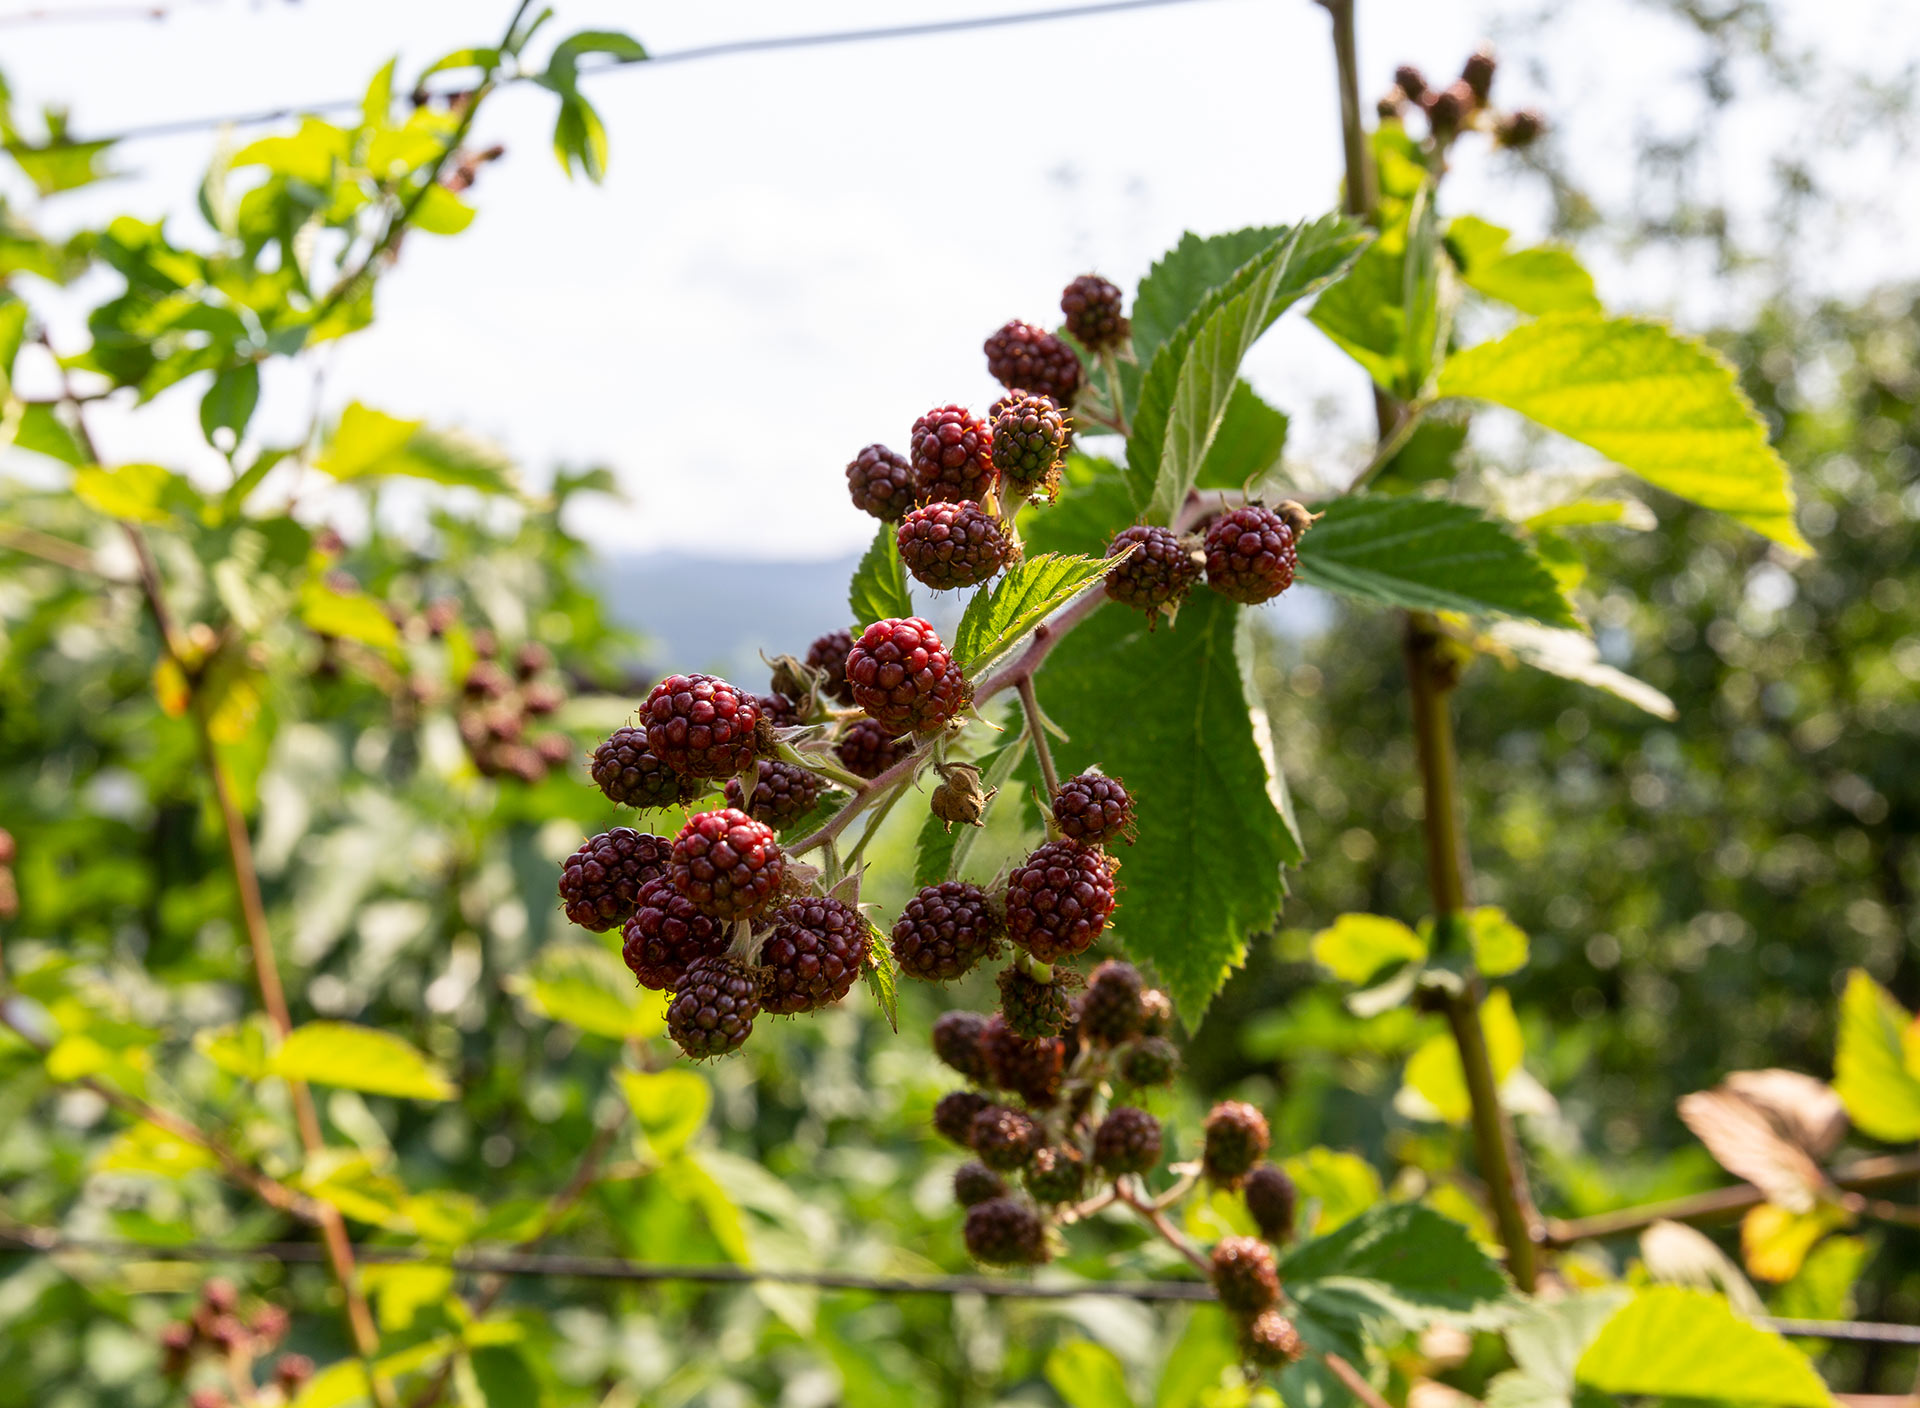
<point x="1157" y="1220"/>
<point x="1178" y="1191"/>
<point x="1356" y="1384"/>
<point x="1037" y="727"/>
<point x="1032" y="967"/>
<point x="873" y="825"/>
<point x="1408" y="420"/>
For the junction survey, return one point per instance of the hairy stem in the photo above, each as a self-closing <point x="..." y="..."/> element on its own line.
<point x="1036" y="726"/>
<point x="1156" y="1218"/>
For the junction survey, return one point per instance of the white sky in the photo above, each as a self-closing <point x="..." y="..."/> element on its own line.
<point x="797" y="253"/>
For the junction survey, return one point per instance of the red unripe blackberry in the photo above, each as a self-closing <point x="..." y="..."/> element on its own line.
<point x="1110" y="1007"/>
<point x="667" y="935"/>
<point x="868" y="748"/>
<point x="1149" y="1060"/>
<point x="1156" y="1012"/>
<point x="6" y="847"/>
<point x="1021" y="355"/>
<point x="1127" y="1141"/>
<point x="816" y="951"/>
<point x="1059" y="899"/>
<point x="944" y="931"/>
<point x="881" y="483"/>
<point x="1410" y="81"/>
<point x="1033" y="1009"/>
<point x="530" y="659"/>
<point x="1478" y="73"/>
<point x="270" y="1324"/>
<point x="953" y="1115"/>
<point x="784" y="793"/>
<point x="600" y="882"/>
<point x="1250" y="554"/>
<point x="957" y="1042"/>
<point x="629" y="772"/>
<point x="950" y="545"/>
<point x="1272" y="1199"/>
<point x="1159" y="572"/>
<point x="207" y="1398"/>
<point x="1092" y="307"/>
<point x="177" y="1338"/>
<point x="1003" y="1232"/>
<point x="952" y="456"/>
<point x="220" y="1295"/>
<point x="727" y="863"/>
<point x="1093" y="809"/>
<point x="904" y="678"/>
<point x="1030" y="437"/>
<point x="828" y="655"/>
<point x="1519" y="130"/>
<point x="1447" y="109"/>
<point x="487" y="680"/>
<point x="1244" y="1276"/>
<point x="701" y="726"/>
<point x="542" y="698"/>
<point x="974" y="1182"/>
<point x="1270" y="1341"/>
<point x="555" y="749"/>
<point x="712" y="1010"/>
<point x="1004" y="1139"/>
<point x="1030" y="1069"/>
<point x="778" y="709"/>
<point x="1236" y="1139"/>
<point x="291" y="1371"/>
<point x="1056" y="1174"/>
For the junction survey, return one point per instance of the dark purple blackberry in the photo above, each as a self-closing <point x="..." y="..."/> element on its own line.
<point x="1030" y="1069"/>
<point x="944" y="931"/>
<point x="1092" y="307"/>
<point x="881" y="483"/>
<point x="667" y="934"/>
<point x="1093" y="809"/>
<point x="957" y="1042"/>
<point x="1110" y="1007"/>
<point x="1147" y="1061"/>
<point x="1127" y="1141"/>
<point x="947" y="546"/>
<point x="813" y="957"/>
<point x="1273" y="1201"/>
<point x="1250" y="554"/>
<point x="868" y="748"/>
<point x="828" y="655"/>
<point x="974" y="1182"/>
<point x="1056" y="1174"/>
<point x="1022" y="355"/>
<point x="1004" y="1232"/>
<point x="629" y="774"/>
<point x="701" y="726"/>
<point x="778" y="709"/>
<point x="953" y="1115"/>
<point x="1058" y="900"/>
<point x="600" y="882"/>
<point x="784" y="793"/>
<point x="1236" y="1139"/>
<point x="713" y="1008"/>
<point x="952" y="456"/>
<point x="1244" y="1275"/>
<point x="1003" y="1138"/>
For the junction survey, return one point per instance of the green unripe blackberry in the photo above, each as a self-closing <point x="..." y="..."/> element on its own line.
<point x="1031" y="1008"/>
<point x="1150" y="1060"/>
<point x="1056" y="1174"/>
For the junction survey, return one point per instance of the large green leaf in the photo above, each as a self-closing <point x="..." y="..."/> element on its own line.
<point x="1673" y="1342"/>
<point x="1431" y="555"/>
<point x="1248" y="444"/>
<point x="1664" y="406"/>
<point x="997" y="620"/>
<point x="1544" y="279"/>
<point x="358" y="1058"/>
<point x="878" y="591"/>
<point x="1176" y="285"/>
<point x="1168" y="713"/>
<point x="1405" y="1261"/>
<point x="586" y="986"/>
<point x="1876" y="1072"/>
<point x="1088" y="1375"/>
<point x="1365" y="316"/>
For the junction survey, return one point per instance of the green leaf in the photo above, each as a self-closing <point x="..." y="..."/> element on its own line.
<point x="363" y="440"/>
<point x="1364" y="315"/>
<point x="1546" y="1340"/>
<point x="1183" y="277"/>
<point x="145" y="493"/>
<point x="1343" y="1185"/>
<point x="1499" y="945"/>
<point x="42" y="431"/>
<point x="441" y="212"/>
<point x="1679" y="1343"/>
<point x="504" y="1378"/>
<point x="671" y="1106"/>
<point x="587" y="987"/>
<point x="563" y="66"/>
<point x="1406" y="1261"/>
<point x="349" y="615"/>
<point x="878" y="591"/>
<point x="1429" y="555"/>
<point x="995" y="621"/>
<point x="1426" y="325"/>
<point x="308" y="156"/>
<point x="61" y="165"/>
<point x="1204" y="1351"/>
<point x="882" y="977"/>
<point x="368" y="443"/>
<point x="1088" y="1375"/>
<point x="1664" y="406"/>
<point x="1169" y="713"/>
<point x="243" y="1049"/>
<point x="1356" y="946"/>
<point x="1094" y="504"/>
<point x="1248" y="444"/>
<point x="358" y="1058"/>
<point x="229" y="402"/>
<point x="941" y="852"/>
<point x="147" y="1148"/>
<point x="580" y="138"/>
<point x="1876" y="1072"/>
<point x="1574" y="655"/>
<point x="1544" y="279"/>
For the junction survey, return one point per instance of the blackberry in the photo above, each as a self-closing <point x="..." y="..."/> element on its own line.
<point x="1410" y="81"/>
<point x="667" y="934"/>
<point x="953" y="1115"/>
<point x="1244" y="1276"/>
<point x="555" y="749"/>
<point x="1447" y="109"/>
<point x="1021" y="355"/>
<point x="1127" y="1141"/>
<point x="701" y="726"/>
<point x="600" y="882"/>
<point x="1003" y="1138"/>
<point x="543" y="699"/>
<point x="974" y="1182"/>
<point x="1273" y="1201"/>
<point x="784" y="793"/>
<point x="713" y="1008"/>
<point x="1158" y="574"/>
<point x="487" y="680"/>
<point x="1156" y="1012"/>
<point x="1150" y="1060"/>
<point x="952" y="456"/>
<point x="1033" y="1009"/>
<point x="1058" y="900"/>
<point x="1092" y="308"/>
<point x="904" y="678"/>
<point x="1030" y="435"/>
<point x="531" y="659"/>
<point x="1056" y="1174"/>
<point x="1003" y="1232"/>
<point x="1110" y="1007"/>
<point x="1270" y="1341"/>
<point x="950" y="545"/>
<point x="779" y="709"/>
<point x="1030" y="1069"/>
<point x="290" y="1371"/>
<point x="881" y="483"/>
<point x="828" y="655"/>
<point x="1093" y="808"/>
<point x="1236" y="1140"/>
<point x="1520" y="129"/>
<point x="1477" y="74"/>
<point x="868" y="748"/>
<point x="957" y="1042"/>
<point x="944" y="931"/>
<point x="727" y="863"/>
<point x="1250" y="554"/>
<point x="816" y="951"/>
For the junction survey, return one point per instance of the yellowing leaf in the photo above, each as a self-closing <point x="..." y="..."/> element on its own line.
<point x="441" y="212"/>
<point x="1341" y="1185"/>
<point x="1874" y="1075"/>
<point x="349" y="615"/>
<point x="1776" y="1241"/>
<point x="358" y="1058"/>
<point x="587" y="987"/>
<point x="1356" y="946"/>
<point x="1499" y="945"/>
<point x="147" y="1148"/>
<point x="363" y="438"/>
<point x="133" y="491"/>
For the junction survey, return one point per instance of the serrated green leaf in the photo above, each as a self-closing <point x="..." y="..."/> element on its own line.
<point x="1678" y="1343"/>
<point x="349" y="615"/>
<point x="1248" y="444"/>
<point x="1356" y="946"/>
<point x="942" y="850"/>
<point x="1093" y="506"/>
<point x="1168" y="712"/>
<point x="670" y="1106"/>
<point x="883" y="978"/>
<point x="1499" y="945"/>
<point x="1543" y="279"/>
<point x="1182" y="278"/>
<point x="1664" y="406"/>
<point x="587" y="987"/>
<point x="1364" y="315"/>
<point x="995" y="621"/>
<point x="1088" y="1375"/>
<point x="1547" y="1340"/>
<point x="1876" y="1073"/>
<point x="878" y="591"/>
<point x="1430" y="555"/>
<point x="358" y="1058"/>
<point x="1405" y="1261"/>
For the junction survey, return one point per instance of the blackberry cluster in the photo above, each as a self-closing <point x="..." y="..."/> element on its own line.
<point x="1466" y="103"/>
<point x="501" y="709"/>
<point x="216" y="1331"/>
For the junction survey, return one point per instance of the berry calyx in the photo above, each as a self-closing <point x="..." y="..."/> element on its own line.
<point x="1031" y="1069"/>
<point x="1250" y="554"/>
<point x="713" y="1008"/>
<point x="600" y="882"/>
<point x="1158" y="573"/>
<point x="667" y="935"/>
<point x="727" y="863"/>
<point x="1059" y="899"/>
<point x="1093" y="809"/>
<point x="1127" y="1141"/>
<point x="1244" y="1275"/>
<point x="1033" y="1009"/>
<point x="1022" y="355"/>
<point x="1236" y="1139"/>
<point x="828" y="655"/>
<point x="1272" y="1199"/>
<point x="1056" y="1174"/>
<point x="1005" y="1232"/>
<point x="1110" y="1007"/>
<point x="1004" y="1138"/>
<point x="1150" y="1060"/>
<point x="952" y="456"/>
<point x="943" y="932"/>
<point x="1030" y="435"/>
<point x="954" y="1112"/>
<point x="902" y="675"/>
<point x="958" y="1043"/>
<point x="868" y="748"/>
<point x="974" y="1182"/>
<point x="701" y="726"/>
<point x="881" y="483"/>
<point x="816" y="951"/>
<point x="1270" y="1341"/>
<point x="1092" y="308"/>
<point x="782" y="793"/>
<point x="950" y="545"/>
